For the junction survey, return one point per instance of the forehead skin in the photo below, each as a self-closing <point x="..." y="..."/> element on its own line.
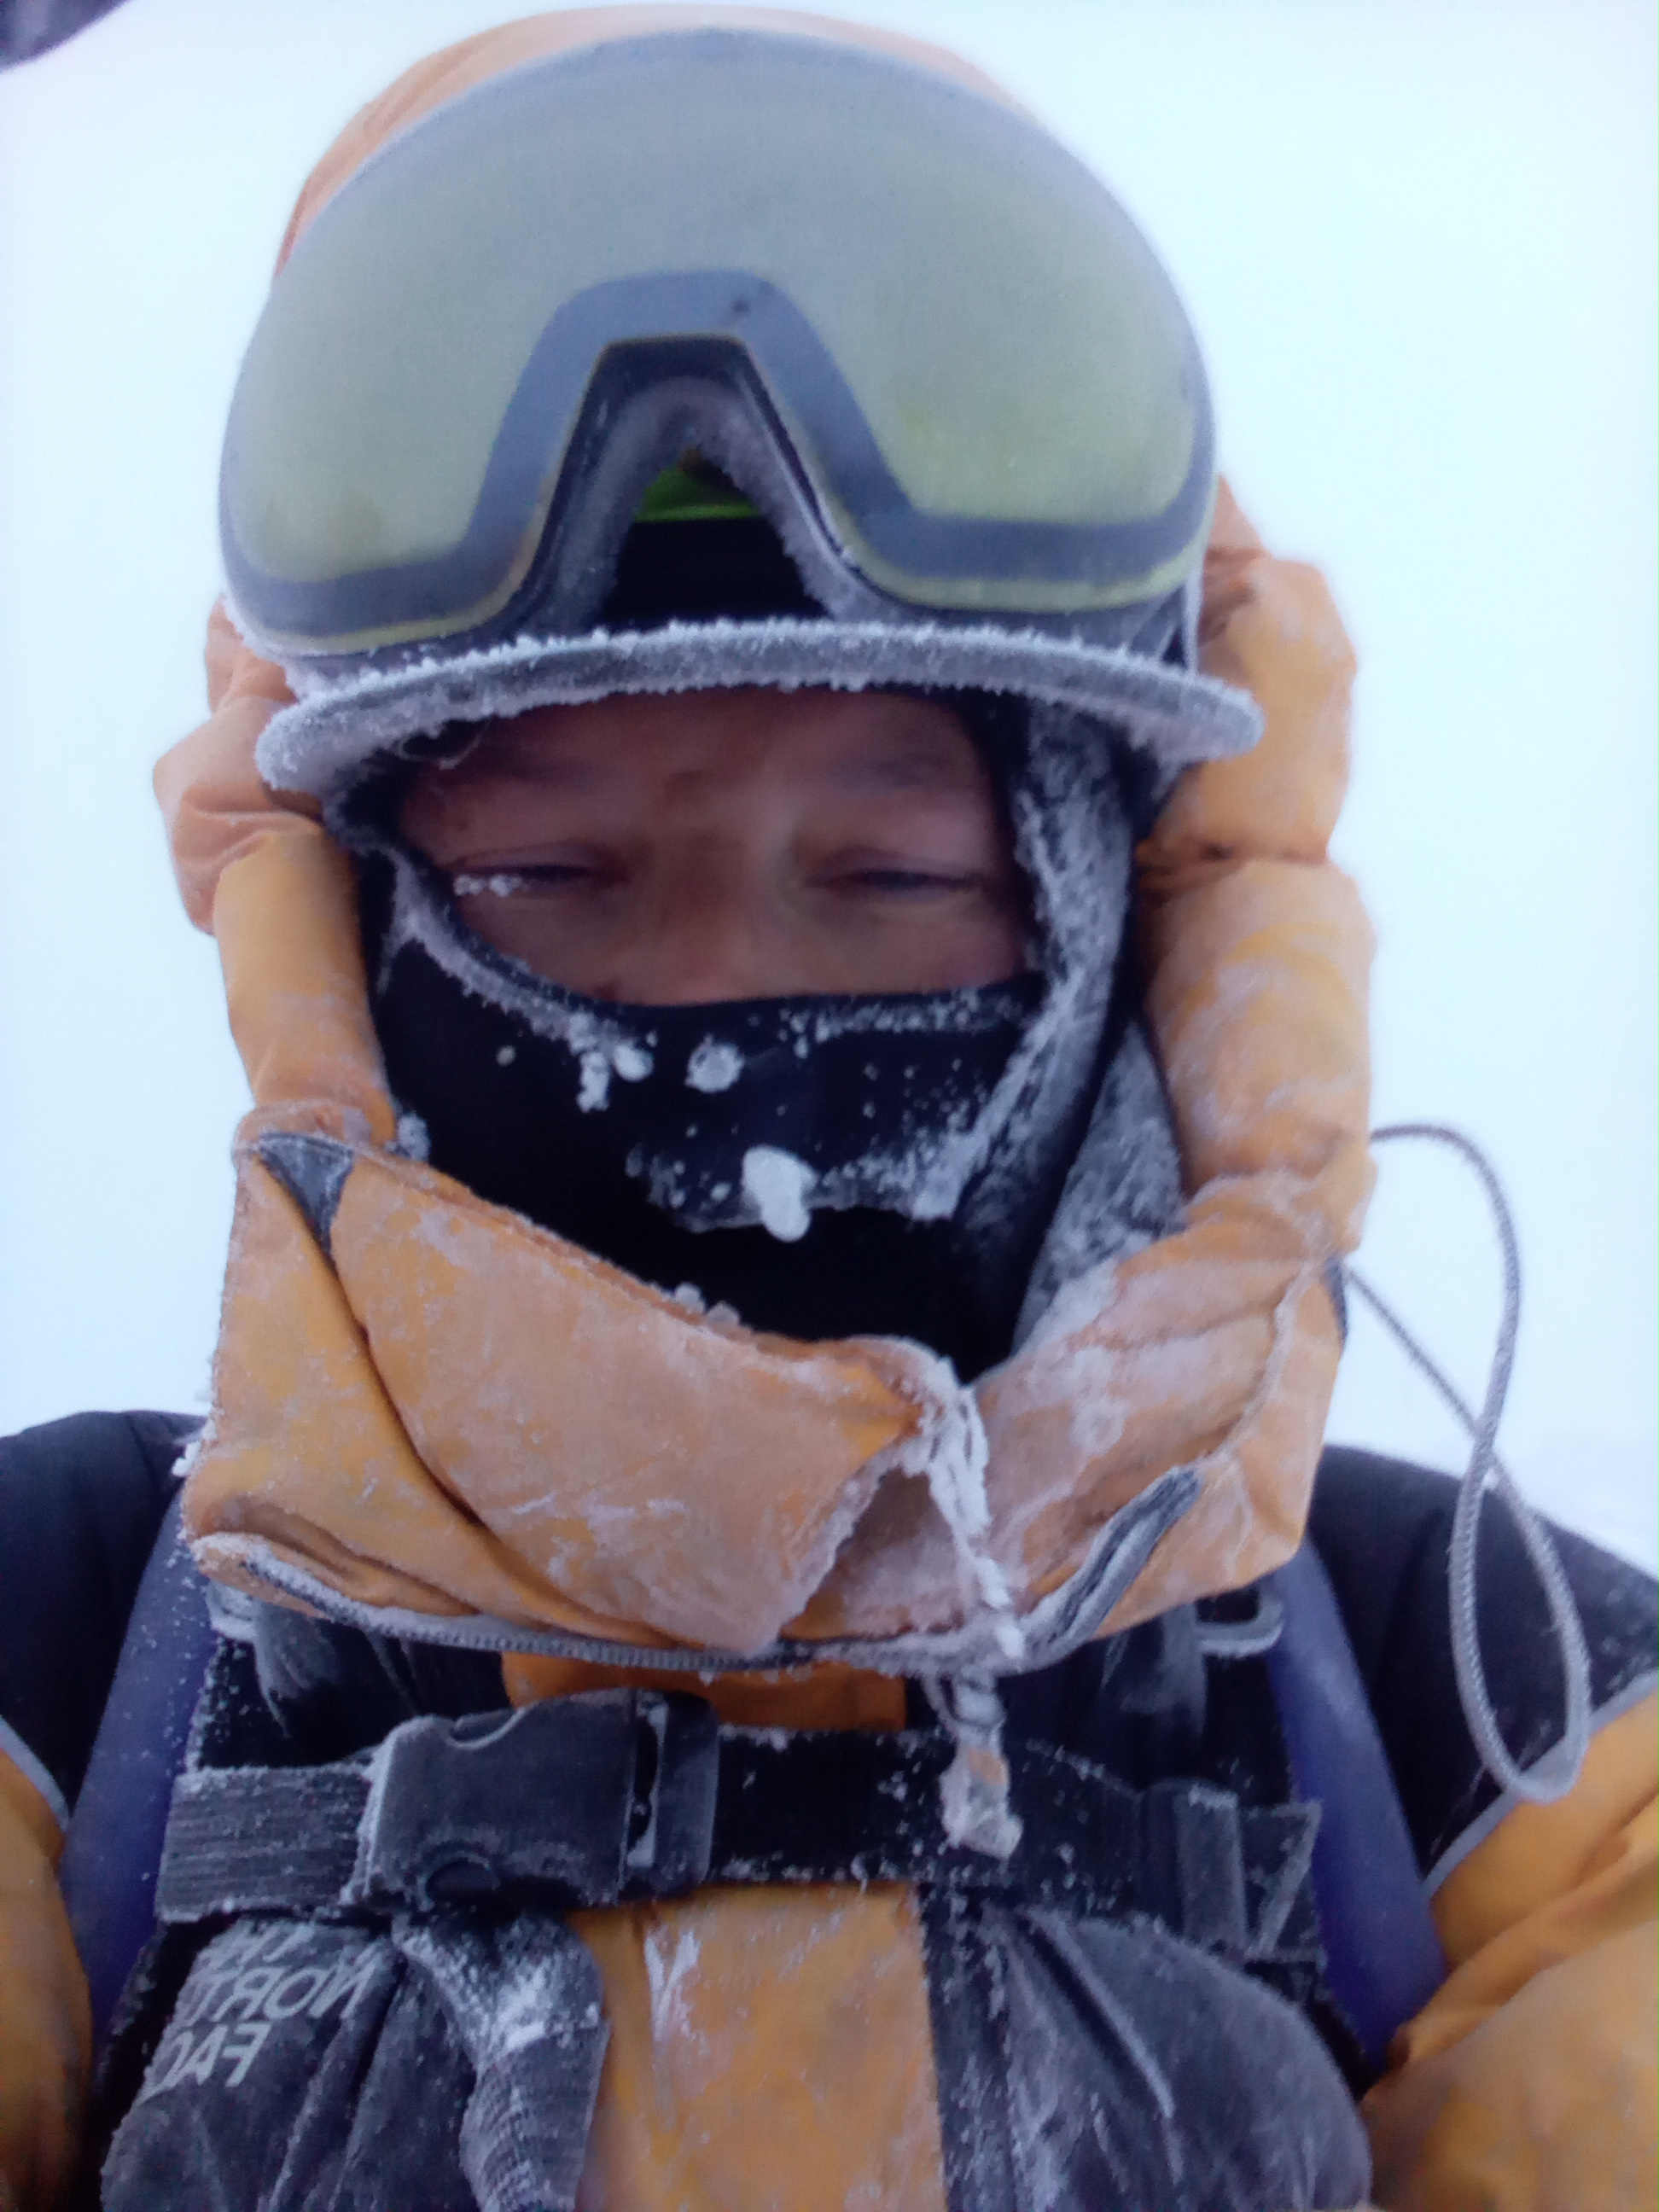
<point x="696" y="752"/>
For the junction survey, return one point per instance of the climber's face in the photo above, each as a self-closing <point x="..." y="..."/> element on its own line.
<point x="720" y="845"/>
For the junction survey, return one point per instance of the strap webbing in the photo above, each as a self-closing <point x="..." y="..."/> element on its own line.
<point x="586" y="1801"/>
<point x="115" y="1834"/>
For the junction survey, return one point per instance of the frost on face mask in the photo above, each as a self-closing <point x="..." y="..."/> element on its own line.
<point x="887" y="1102"/>
<point x="713" y="1067"/>
<point x="597" y="1063"/>
<point x="777" y="1183"/>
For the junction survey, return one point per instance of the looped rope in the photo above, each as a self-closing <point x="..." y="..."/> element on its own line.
<point x="1554" y="1774"/>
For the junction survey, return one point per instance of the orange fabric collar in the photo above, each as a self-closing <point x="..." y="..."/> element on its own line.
<point x="434" y="1409"/>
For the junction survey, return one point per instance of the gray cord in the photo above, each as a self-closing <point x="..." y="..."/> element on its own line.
<point x="1554" y="1774"/>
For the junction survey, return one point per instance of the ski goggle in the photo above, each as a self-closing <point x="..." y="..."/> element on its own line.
<point x="918" y="332"/>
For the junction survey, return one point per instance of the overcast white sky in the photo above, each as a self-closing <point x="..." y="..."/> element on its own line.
<point x="1417" y="242"/>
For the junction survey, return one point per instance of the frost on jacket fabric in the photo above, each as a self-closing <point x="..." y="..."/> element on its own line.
<point x="439" y="1429"/>
<point x="1382" y="1532"/>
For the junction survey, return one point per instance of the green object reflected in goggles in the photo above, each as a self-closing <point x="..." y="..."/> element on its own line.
<point x="920" y="337"/>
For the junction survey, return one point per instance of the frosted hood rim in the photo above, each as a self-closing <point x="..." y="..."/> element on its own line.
<point x="342" y="722"/>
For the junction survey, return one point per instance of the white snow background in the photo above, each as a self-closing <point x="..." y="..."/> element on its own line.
<point x="1417" y="238"/>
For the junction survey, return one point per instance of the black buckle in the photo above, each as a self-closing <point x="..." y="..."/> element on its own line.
<point x="1195" y="1864"/>
<point x="676" y="1782"/>
<point x="571" y="1802"/>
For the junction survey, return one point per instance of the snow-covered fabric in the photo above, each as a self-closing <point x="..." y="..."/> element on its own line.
<point x="319" y="744"/>
<point x="748" y="2031"/>
<point x="1096" y="2091"/>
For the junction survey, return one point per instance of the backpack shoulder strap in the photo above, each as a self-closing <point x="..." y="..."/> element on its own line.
<point x="114" y="1846"/>
<point x="1383" y="1958"/>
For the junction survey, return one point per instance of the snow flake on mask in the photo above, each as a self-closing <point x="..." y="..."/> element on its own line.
<point x="778" y="1184"/>
<point x="595" y="1091"/>
<point x="796" y="1106"/>
<point x="716" y="1065"/>
<point x="631" y="1062"/>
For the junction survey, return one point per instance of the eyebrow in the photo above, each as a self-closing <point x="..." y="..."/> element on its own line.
<point x="914" y="768"/>
<point x="534" y="761"/>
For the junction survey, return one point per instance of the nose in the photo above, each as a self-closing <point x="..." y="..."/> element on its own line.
<point x="711" y="932"/>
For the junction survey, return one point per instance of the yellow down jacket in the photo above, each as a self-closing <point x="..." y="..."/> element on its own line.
<point x="385" y="1416"/>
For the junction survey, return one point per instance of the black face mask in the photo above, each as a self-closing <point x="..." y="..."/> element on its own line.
<point x="904" y="1165"/>
<point x="796" y="1159"/>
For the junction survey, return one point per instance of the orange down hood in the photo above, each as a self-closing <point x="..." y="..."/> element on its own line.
<point x="431" y="1414"/>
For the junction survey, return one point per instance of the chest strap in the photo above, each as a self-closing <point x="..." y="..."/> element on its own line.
<point x="594" y="1800"/>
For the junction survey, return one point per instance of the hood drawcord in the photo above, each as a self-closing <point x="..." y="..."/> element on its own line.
<point x="1553" y="1775"/>
<point x="974" y="1788"/>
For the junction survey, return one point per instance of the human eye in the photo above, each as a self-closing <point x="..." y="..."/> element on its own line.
<point x="898" y="881"/>
<point x="901" y="881"/>
<point x="865" y="873"/>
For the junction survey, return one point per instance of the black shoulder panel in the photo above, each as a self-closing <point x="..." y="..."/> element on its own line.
<point x="81" y="1502"/>
<point x="1384" y="1530"/>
